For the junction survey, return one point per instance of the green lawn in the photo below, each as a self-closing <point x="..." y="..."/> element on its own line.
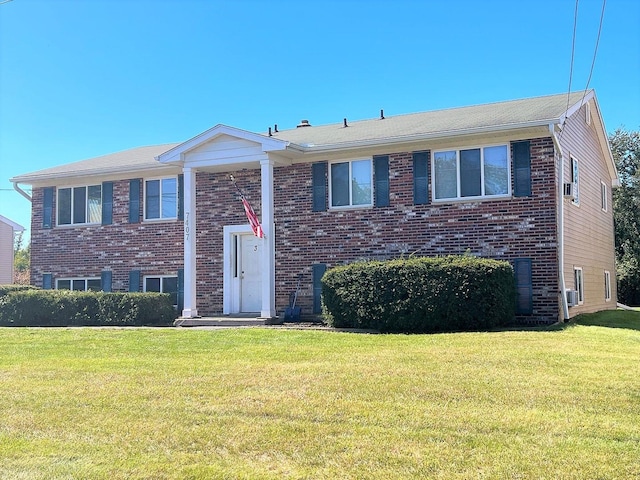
<point x="92" y="403"/>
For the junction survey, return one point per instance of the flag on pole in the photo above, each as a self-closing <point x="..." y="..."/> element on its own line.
<point x="253" y="218"/>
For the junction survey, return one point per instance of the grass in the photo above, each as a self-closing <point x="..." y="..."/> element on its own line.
<point x="91" y="403"/>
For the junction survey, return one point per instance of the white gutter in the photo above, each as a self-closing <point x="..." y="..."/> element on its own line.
<point x="17" y="188"/>
<point x="563" y="286"/>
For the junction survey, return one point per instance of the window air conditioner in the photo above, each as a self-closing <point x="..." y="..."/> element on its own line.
<point x="569" y="191"/>
<point x="572" y="298"/>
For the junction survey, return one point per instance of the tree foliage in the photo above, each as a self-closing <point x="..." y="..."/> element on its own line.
<point x="21" y="260"/>
<point x="625" y="147"/>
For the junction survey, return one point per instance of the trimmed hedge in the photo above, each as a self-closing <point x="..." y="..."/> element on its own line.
<point x="62" y="308"/>
<point x="5" y="289"/>
<point x="416" y="295"/>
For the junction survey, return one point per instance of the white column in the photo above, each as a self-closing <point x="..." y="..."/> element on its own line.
<point x="189" y="310"/>
<point x="268" y="310"/>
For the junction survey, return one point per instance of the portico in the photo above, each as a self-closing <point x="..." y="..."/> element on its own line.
<point x="226" y="149"/>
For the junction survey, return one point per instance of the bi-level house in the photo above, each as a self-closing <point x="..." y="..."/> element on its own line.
<point x="528" y="181"/>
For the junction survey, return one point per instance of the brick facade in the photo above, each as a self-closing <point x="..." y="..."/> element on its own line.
<point x="504" y="229"/>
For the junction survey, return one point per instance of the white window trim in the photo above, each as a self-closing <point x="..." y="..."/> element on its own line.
<point x="458" y="198"/>
<point x="579" y="283"/>
<point x="144" y="199"/>
<point x="351" y="207"/>
<point x="72" y="187"/>
<point x="72" y="279"/>
<point x="607" y="286"/>
<point x="576" y="181"/>
<point x="161" y="277"/>
<point x="604" y="194"/>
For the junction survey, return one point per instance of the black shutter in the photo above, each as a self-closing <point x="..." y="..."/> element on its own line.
<point x="134" y="281"/>
<point x="524" y="286"/>
<point x="319" y="180"/>
<point x="107" y="203"/>
<point x="105" y="280"/>
<point x="180" y="197"/>
<point x="318" y="272"/>
<point x="134" y="200"/>
<point x="521" y="169"/>
<point x="180" y="290"/>
<point x="381" y="174"/>
<point x="47" y="208"/>
<point x="47" y="281"/>
<point x="420" y="178"/>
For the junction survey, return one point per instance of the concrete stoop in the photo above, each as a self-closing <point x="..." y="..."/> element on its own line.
<point x="221" y="322"/>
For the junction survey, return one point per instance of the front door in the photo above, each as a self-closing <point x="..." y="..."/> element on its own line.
<point x="249" y="262"/>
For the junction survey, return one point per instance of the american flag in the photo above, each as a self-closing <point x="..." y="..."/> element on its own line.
<point x="253" y="218"/>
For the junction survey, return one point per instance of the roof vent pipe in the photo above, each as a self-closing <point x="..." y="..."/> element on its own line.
<point x="275" y="127"/>
<point x="381" y="114"/>
<point x="303" y="123"/>
<point x="270" y="134"/>
<point x="345" y="123"/>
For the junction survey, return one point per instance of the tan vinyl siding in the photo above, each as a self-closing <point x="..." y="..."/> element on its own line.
<point x="6" y="254"/>
<point x="588" y="232"/>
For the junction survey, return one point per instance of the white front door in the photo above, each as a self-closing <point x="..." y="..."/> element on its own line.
<point x="249" y="263"/>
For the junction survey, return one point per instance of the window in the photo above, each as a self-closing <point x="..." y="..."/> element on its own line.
<point x="471" y="173"/>
<point x="607" y="286"/>
<point x="350" y="183"/>
<point x="81" y="284"/>
<point x="161" y="198"/>
<point x="579" y="284"/>
<point x="163" y="284"/>
<point x="604" y="195"/>
<point x="80" y="205"/>
<point x="575" y="179"/>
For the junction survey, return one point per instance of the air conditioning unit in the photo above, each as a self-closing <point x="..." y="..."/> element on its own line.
<point x="569" y="191"/>
<point x="572" y="298"/>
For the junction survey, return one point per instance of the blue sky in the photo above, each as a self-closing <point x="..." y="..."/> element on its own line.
<point x="83" y="78"/>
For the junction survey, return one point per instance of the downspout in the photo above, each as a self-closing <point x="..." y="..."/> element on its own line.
<point x="17" y="188"/>
<point x="563" y="287"/>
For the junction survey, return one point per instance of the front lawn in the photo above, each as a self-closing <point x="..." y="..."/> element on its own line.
<point x="92" y="403"/>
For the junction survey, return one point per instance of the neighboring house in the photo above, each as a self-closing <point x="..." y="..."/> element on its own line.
<point x="8" y="230"/>
<point x="527" y="181"/>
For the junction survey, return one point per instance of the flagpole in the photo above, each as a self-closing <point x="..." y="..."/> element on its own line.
<point x="254" y="221"/>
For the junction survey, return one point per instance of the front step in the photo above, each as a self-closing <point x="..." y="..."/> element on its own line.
<point x="219" y="322"/>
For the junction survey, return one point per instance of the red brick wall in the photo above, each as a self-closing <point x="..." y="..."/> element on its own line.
<point x="84" y="251"/>
<point x="501" y="229"/>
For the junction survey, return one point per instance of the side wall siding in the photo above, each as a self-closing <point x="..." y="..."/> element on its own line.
<point x="589" y="231"/>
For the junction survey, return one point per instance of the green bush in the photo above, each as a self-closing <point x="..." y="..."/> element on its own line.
<point x="455" y="293"/>
<point x="61" y="308"/>
<point x="5" y="289"/>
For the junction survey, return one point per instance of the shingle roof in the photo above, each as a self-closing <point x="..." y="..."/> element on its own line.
<point x="126" y="160"/>
<point x="500" y="115"/>
<point x="539" y="110"/>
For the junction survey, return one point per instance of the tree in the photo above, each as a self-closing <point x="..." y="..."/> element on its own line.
<point x="21" y="261"/>
<point x="625" y="147"/>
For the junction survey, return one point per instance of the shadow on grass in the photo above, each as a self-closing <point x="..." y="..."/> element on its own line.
<point x="611" y="319"/>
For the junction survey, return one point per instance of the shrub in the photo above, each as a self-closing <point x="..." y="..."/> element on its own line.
<point x="5" y="289"/>
<point x="59" y="308"/>
<point x="420" y="294"/>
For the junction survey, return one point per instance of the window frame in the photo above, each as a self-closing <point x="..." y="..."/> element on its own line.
<point x="350" y="162"/>
<point x="575" y="179"/>
<point x="578" y="279"/>
<point x="145" y="278"/>
<point x="145" y="199"/>
<point x="86" y="281"/>
<point x="604" y="197"/>
<point x="607" y="286"/>
<point x="483" y="195"/>
<point x="72" y="205"/>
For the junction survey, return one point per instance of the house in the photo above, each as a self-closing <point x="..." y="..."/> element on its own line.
<point x="8" y="230"/>
<point x="528" y="181"/>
